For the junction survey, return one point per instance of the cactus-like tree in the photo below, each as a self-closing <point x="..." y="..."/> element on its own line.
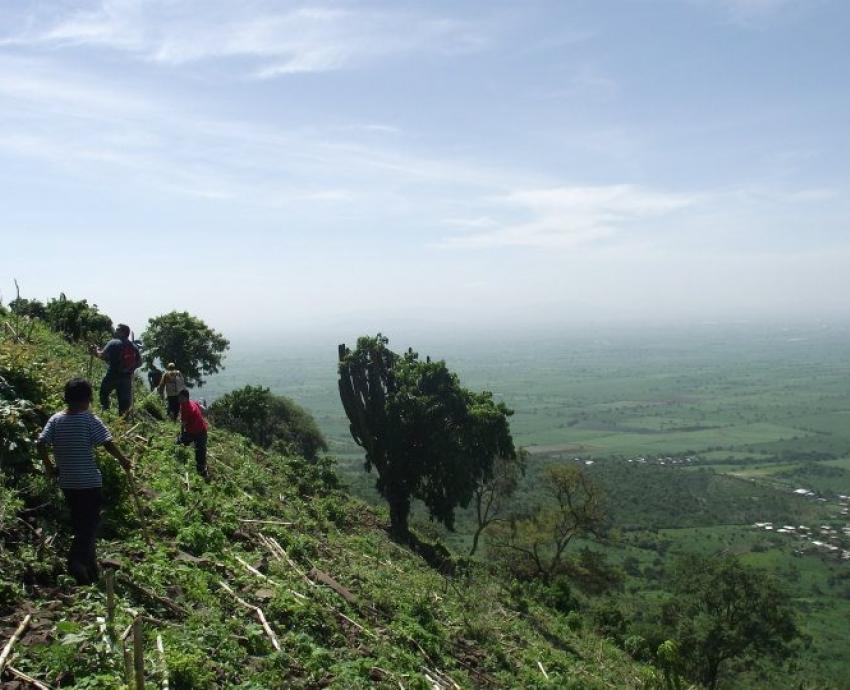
<point x="427" y="437"/>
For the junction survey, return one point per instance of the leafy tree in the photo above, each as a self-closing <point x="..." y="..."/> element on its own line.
<point x="77" y="320"/>
<point x="194" y="347"/>
<point x="492" y="494"/>
<point x="28" y="307"/>
<point x="269" y="420"/>
<point x="427" y="436"/>
<point x="727" y="610"/>
<point x="539" y="542"/>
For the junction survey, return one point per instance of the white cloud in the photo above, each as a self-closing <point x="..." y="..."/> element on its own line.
<point x="274" y="39"/>
<point x="570" y="216"/>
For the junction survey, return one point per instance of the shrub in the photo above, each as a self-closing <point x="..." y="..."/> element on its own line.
<point x="28" y="307"/>
<point x="77" y="321"/>
<point x="269" y="421"/>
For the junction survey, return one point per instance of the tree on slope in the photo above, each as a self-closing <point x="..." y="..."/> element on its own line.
<point x="727" y="610"/>
<point x="535" y="546"/>
<point x="77" y="321"/>
<point x="492" y="495"/>
<point x="427" y="437"/>
<point x="194" y="347"/>
<point x="269" y="421"/>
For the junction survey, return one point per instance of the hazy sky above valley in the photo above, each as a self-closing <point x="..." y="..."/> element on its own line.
<point x="455" y="164"/>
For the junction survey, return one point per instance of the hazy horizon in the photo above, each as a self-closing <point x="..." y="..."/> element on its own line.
<point x="465" y="166"/>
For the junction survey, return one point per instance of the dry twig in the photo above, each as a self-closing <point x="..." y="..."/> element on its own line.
<point x="257" y="610"/>
<point x="7" y="650"/>
<point x="20" y="675"/>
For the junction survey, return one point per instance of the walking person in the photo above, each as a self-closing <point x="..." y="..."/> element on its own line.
<point x="154" y="376"/>
<point x="172" y="383"/>
<point x="73" y="433"/>
<point x="194" y="430"/>
<point x="123" y="358"/>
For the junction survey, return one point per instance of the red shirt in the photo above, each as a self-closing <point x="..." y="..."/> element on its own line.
<point x="192" y="418"/>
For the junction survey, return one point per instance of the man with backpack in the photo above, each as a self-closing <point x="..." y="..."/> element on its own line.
<point x="123" y="358"/>
<point x="173" y="384"/>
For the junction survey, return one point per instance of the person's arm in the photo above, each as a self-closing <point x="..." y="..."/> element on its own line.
<point x="99" y="352"/>
<point x="116" y="453"/>
<point x="162" y="383"/>
<point x="49" y="467"/>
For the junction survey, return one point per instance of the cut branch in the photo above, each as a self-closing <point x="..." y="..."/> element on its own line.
<point x="7" y="650"/>
<point x="20" y="675"/>
<point x="257" y="610"/>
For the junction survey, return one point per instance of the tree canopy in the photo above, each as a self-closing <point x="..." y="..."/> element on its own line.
<point x="427" y="437"/>
<point x="535" y="546"/>
<point x="186" y="340"/>
<point x="725" y="610"/>
<point x="76" y="320"/>
<point x="269" y="421"/>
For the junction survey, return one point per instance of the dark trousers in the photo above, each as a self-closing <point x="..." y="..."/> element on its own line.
<point x="200" y="441"/>
<point x="85" y="507"/>
<point x="122" y="384"/>
<point x="173" y="406"/>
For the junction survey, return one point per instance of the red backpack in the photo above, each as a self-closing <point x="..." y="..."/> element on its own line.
<point x="130" y="360"/>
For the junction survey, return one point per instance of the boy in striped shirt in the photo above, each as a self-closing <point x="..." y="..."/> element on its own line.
<point x="73" y="433"/>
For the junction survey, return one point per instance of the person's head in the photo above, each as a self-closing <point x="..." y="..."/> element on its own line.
<point x="183" y="395"/>
<point x="122" y="330"/>
<point x="172" y="366"/>
<point x="78" y="394"/>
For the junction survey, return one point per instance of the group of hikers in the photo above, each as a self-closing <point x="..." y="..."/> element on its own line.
<point x="73" y="433"/>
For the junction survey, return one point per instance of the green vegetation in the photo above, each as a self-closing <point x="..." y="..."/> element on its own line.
<point x="725" y="611"/>
<point x="188" y="342"/>
<point x="385" y="619"/>
<point x="78" y="321"/>
<point x="428" y="438"/>
<point x="534" y="547"/>
<point x="761" y="413"/>
<point x="270" y="421"/>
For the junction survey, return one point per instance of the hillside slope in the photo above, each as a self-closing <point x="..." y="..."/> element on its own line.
<point x="347" y="606"/>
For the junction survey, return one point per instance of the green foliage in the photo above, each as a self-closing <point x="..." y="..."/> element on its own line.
<point x="77" y="321"/>
<point x="186" y="340"/>
<point x="152" y="404"/>
<point x="21" y="391"/>
<point x="269" y="420"/>
<point x="493" y="493"/>
<point x="427" y="436"/>
<point x="726" y="610"/>
<point x="535" y="546"/>
<point x="407" y="621"/>
<point x="28" y="307"/>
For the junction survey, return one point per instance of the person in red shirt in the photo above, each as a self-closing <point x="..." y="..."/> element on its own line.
<point x="194" y="430"/>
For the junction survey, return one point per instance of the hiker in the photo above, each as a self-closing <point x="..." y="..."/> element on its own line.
<point x="73" y="433"/>
<point x="123" y="357"/>
<point x="154" y="375"/>
<point x="172" y="382"/>
<point x="194" y="431"/>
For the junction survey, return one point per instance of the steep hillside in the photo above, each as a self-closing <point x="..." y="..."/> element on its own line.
<point x="342" y="605"/>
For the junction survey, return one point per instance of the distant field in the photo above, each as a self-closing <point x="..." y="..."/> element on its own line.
<point x="761" y="413"/>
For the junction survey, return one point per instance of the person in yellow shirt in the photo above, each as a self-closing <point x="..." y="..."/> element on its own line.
<point x="172" y="383"/>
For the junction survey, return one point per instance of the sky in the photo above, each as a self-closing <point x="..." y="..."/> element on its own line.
<point x="291" y="167"/>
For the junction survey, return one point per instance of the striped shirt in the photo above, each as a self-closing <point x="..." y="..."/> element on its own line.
<point x="73" y="437"/>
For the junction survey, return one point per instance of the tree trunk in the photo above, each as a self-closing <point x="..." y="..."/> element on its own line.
<point x="475" y="538"/>
<point x="399" y="512"/>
